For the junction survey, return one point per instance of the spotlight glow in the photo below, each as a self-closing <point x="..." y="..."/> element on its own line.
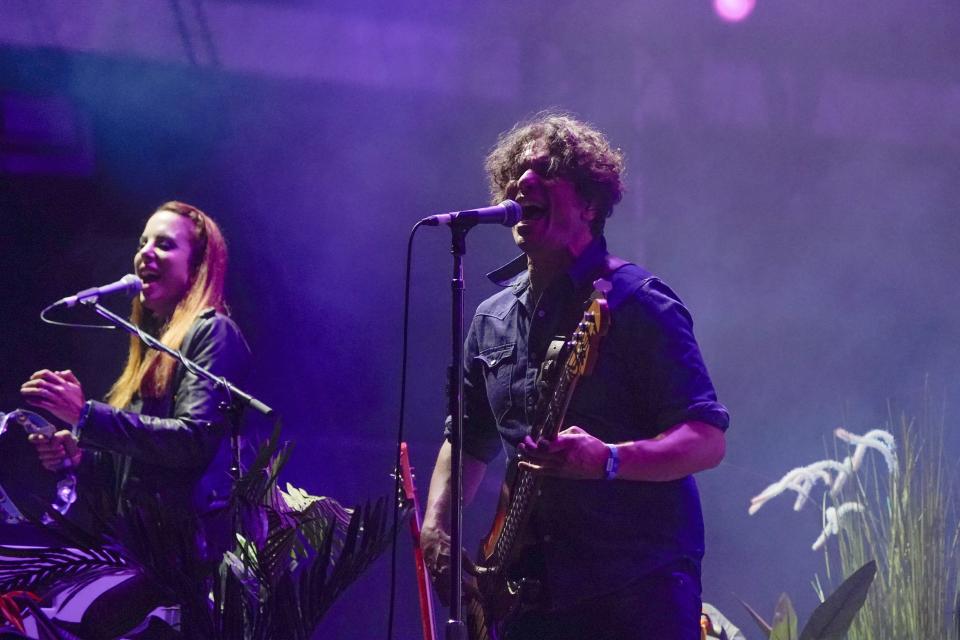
<point x="733" y="10"/>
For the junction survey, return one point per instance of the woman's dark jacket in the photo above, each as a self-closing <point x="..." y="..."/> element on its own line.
<point x="163" y="447"/>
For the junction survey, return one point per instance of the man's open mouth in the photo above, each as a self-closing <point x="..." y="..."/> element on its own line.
<point x="533" y="212"/>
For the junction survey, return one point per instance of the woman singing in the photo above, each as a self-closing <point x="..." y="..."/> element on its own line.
<point x="161" y="426"/>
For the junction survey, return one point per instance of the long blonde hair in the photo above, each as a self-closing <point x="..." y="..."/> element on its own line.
<point x="150" y="373"/>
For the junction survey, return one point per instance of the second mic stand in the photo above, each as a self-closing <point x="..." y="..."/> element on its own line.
<point x="456" y="629"/>
<point x="236" y="401"/>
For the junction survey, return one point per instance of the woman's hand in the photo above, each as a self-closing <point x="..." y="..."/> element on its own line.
<point x="58" y="451"/>
<point x="58" y="392"/>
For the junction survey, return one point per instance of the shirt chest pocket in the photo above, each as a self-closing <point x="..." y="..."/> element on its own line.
<point x="498" y="365"/>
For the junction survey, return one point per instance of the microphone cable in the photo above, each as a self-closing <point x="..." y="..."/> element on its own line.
<point x="74" y="325"/>
<point x="397" y="487"/>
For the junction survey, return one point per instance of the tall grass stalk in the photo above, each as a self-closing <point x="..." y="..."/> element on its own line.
<point x="909" y="528"/>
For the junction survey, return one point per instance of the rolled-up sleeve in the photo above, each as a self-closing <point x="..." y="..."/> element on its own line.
<point x="681" y="388"/>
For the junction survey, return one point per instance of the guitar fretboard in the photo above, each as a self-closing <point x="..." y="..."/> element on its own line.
<point x="527" y="484"/>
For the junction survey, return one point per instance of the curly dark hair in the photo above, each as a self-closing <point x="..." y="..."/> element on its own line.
<point x="578" y="152"/>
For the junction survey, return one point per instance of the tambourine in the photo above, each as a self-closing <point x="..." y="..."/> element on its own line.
<point x="24" y="484"/>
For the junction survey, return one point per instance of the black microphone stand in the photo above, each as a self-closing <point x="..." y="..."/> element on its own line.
<point x="236" y="401"/>
<point x="456" y="629"/>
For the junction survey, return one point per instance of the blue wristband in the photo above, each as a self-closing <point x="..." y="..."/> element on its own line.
<point x="613" y="463"/>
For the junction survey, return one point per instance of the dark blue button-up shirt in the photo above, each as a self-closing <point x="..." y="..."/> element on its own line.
<point x="596" y="535"/>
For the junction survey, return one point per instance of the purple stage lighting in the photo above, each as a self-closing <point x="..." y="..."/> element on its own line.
<point x="733" y="10"/>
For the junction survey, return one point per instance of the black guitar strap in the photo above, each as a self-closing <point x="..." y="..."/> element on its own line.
<point x="548" y="369"/>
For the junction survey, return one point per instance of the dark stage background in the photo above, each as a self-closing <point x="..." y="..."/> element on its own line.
<point x="793" y="176"/>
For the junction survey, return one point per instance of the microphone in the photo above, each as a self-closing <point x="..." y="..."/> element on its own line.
<point x="507" y="213"/>
<point x="128" y="284"/>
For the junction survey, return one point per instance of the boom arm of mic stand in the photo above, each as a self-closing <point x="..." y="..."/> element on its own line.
<point x="238" y="397"/>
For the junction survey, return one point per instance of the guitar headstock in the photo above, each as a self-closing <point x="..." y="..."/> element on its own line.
<point x="406" y="474"/>
<point x="585" y="340"/>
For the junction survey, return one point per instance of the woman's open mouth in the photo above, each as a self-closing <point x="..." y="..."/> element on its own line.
<point x="148" y="277"/>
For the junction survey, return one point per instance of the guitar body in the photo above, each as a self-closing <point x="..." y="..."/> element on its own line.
<point x="504" y="594"/>
<point x="506" y="586"/>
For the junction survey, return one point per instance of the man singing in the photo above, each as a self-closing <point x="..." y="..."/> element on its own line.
<point x="618" y="527"/>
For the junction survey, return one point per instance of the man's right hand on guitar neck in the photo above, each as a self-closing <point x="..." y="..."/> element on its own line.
<point x="436" y="555"/>
<point x="435" y="543"/>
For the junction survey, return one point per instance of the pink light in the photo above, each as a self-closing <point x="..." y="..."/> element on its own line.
<point x="733" y="10"/>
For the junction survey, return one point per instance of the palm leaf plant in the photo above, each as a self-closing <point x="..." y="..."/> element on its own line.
<point x="10" y="608"/>
<point x="830" y="620"/>
<point x="289" y="557"/>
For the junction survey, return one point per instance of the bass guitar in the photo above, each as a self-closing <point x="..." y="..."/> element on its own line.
<point x="504" y="590"/>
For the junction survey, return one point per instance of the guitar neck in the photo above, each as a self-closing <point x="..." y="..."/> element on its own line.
<point x="427" y="618"/>
<point x="555" y="409"/>
<point x="526" y="484"/>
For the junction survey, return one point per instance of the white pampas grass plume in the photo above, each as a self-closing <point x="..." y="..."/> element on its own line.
<point x="800" y="480"/>
<point x="876" y="439"/>
<point x="831" y="521"/>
